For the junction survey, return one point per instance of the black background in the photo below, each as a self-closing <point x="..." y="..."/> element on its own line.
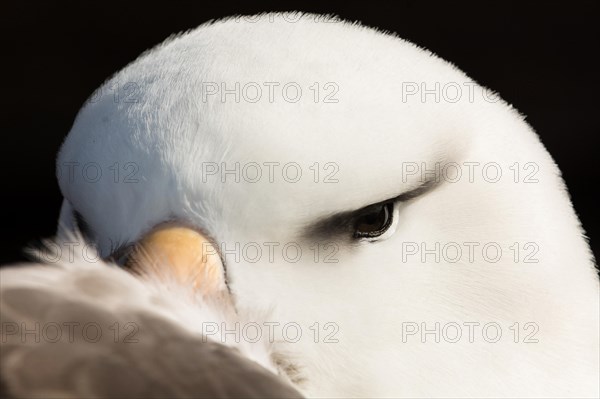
<point x="540" y="57"/>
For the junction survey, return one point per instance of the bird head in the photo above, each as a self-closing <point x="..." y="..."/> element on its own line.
<point x="349" y="181"/>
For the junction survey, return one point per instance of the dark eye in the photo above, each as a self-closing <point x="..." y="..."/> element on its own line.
<point x="375" y="221"/>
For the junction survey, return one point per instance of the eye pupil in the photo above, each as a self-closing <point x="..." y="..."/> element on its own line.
<point x="374" y="224"/>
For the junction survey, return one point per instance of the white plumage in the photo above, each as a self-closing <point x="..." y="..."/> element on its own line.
<point x="373" y="135"/>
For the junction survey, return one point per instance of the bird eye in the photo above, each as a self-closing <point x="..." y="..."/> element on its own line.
<point x="375" y="222"/>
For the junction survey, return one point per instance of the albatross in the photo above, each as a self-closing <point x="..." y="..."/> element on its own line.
<point x="394" y="228"/>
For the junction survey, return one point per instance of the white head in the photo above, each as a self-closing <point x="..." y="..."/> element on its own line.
<point x="348" y="107"/>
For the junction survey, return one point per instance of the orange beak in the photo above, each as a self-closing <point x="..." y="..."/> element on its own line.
<point x="176" y="252"/>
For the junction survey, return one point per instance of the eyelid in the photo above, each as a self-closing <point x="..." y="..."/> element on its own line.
<point x="406" y="196"/>
<point x="417" y="191"/>
<point x="342" y="224"/>
<point x="372" y="208"/>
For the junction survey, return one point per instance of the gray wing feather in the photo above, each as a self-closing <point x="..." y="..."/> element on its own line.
<point x="143" y="355"/>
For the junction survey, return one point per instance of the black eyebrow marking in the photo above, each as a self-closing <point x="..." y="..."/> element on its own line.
<point x="341" y="224"/>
